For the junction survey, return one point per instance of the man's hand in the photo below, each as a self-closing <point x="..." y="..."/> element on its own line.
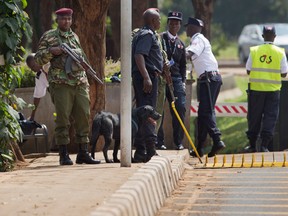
<point x="55" y="50"/>
<point x="147" y="85"/>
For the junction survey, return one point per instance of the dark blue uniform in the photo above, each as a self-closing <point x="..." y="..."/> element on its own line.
<point x="175" y="50"/>
<point x="145" y="42"/>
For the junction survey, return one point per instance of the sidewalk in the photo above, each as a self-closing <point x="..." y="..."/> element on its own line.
<point x="45" y="188"/>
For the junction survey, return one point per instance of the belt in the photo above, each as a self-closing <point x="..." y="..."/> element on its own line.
<point x="209" y="73"/>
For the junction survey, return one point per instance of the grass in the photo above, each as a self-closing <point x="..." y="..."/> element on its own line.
<point x="230" y="52"/>
<point x="232" y="128"/>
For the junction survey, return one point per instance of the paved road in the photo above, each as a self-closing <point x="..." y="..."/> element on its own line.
<point x="245" y="191"/>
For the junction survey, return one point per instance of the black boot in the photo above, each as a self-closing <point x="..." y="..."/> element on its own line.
<point x="84" y="157"/>
<point x="217" y="146"/>
<point x="150" y="153"/>
<point x="264" y="145"/>
<point x="139" y="156"/>
<point x="199" y="150"/>
<point x="64" y="156"/>
<point x="252" y="146"/>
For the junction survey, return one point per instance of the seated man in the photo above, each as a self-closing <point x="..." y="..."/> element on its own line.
<point x="41" y="82"/>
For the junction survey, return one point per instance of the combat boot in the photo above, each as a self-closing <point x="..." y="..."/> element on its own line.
<point x="83" y="156"/>
<point x="64" y="156"/>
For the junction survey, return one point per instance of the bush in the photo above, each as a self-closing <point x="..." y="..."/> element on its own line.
<point x="28" y="77"/>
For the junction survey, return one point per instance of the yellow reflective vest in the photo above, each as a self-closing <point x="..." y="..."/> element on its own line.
<point x="265" y="74"/>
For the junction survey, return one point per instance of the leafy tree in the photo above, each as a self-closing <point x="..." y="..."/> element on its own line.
<point x="13" y="23"/>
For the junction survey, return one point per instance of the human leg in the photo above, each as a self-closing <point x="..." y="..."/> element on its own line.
<point x="62" y="99"/>
<point x="271" y="111"/>
<point x="81" y="113"/>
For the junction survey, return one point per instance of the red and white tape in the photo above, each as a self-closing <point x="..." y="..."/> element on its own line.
<point x="224" y="109"/>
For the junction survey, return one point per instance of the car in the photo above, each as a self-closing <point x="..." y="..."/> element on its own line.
<point x="251" y="35"/>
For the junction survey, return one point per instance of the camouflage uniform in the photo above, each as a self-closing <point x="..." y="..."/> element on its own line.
<point x="68" y="85"/>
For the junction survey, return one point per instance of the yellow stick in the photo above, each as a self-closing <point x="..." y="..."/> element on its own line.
<point x="185" y="130"/>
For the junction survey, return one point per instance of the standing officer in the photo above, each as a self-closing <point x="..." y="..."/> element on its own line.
<point x="175" y="50"/>
<point x="68" y="87"/>
<point x="266" y="65"/>
<point x="147" y="63"/>
<point x="209" y="81"/>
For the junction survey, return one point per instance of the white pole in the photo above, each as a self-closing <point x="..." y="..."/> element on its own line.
<point x="126" y="81"/>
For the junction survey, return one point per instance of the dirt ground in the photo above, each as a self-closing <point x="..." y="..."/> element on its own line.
<point x="45" y="188"/>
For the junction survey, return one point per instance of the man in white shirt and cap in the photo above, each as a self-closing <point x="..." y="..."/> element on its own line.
<point x="209" y="82"/>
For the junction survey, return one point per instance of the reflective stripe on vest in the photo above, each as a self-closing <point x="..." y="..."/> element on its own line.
<point x="265" y="74"/>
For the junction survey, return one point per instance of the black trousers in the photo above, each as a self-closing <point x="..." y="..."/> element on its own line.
<point x="263" y="110"/>
<point x="146" y="137"/>
<point x="208" y="91"/>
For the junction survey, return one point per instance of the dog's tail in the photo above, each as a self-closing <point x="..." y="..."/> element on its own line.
<point x="95" y="131"/>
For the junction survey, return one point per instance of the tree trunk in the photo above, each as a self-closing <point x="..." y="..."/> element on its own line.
<point x="40" y="14"/>
<point x="204" y="10"/>
<point x="138" y="7"/>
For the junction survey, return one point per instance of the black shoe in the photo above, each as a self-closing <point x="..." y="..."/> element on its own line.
<point x="65" y="159"/>
<point x="150" y="153"/>
<point x="200" y="152"/>
<point x="180" y="147"/>
<point x="161" y="147"/>
<point x="249" y="149"/>
<point x="84" y="157"/>
<point x="264" y="149"/>
<point x="216" y="148"/>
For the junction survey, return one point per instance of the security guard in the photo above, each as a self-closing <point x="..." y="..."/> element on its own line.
<point x="175" y="50"/>
<point x="266" y="65"/>
<point x="209" y="81"/>
<point x="147" y="64"/>
<point x="68" y="87"/>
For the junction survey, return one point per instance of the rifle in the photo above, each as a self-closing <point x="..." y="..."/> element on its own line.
<point x="80" y="60"/>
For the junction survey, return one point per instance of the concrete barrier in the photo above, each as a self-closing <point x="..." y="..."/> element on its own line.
<point x="145" y="192"/>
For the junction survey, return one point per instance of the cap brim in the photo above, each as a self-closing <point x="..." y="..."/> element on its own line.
<point x="175" y="18"/>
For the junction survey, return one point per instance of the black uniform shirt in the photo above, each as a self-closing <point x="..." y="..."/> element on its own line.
<point x="145" y="42"/>
<point x="176" y="50"/>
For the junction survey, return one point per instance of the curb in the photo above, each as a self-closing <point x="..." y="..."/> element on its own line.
<point x="144" y="193"/>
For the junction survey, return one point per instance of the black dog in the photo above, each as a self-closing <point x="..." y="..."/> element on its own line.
<point x="108" y="125"/>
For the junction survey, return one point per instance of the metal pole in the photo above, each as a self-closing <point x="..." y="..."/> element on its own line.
<point x="126" y="99"/>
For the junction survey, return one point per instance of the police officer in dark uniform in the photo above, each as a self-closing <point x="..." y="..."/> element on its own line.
<point x="175" y="50"/>
<point x="147" y="64"/>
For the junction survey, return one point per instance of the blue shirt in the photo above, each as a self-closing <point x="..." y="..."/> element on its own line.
<point x="145" y="42"/>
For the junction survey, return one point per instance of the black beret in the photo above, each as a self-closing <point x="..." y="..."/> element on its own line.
<point x="194" y="21"/>
<point x="175" y="15"/>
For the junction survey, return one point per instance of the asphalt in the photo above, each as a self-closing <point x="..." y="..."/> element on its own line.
<point x="45" y="188"/>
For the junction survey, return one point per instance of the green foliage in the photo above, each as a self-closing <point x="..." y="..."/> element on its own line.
<point x="13" y="24"/>
<point x="27" y="78"/>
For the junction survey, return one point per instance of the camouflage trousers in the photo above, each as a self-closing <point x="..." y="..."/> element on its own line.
<point x="71" y="102"/>
<point x="161" y="96"/>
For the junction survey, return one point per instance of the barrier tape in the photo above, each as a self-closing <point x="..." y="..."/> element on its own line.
<point x="224" y="109"/>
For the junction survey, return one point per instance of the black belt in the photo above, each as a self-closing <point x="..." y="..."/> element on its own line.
<point x="209" y="74"/>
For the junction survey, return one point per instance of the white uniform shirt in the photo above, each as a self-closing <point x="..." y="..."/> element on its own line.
<point x="41" y="84"/>
<point x="203" y="58"/>
<point x="284" y="66"/>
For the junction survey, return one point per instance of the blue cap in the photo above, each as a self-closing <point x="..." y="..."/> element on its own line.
<point x="269" y="29"/>
<point x="194" y="21"/>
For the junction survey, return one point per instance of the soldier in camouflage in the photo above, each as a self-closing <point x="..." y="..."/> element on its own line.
<point x="69" y="88"/>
